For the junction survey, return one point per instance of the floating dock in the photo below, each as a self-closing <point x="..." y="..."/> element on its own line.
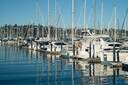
<point x="116" y="65"/>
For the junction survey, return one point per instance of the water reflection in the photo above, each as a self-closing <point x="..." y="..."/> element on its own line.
<point x="26" y="67"/>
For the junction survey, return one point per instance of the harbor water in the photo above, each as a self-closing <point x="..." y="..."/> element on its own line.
<point x="20" y="66"/>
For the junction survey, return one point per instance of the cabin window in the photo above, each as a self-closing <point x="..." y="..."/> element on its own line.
<point x="116" y="45"/>
<point x="59" y="43"/>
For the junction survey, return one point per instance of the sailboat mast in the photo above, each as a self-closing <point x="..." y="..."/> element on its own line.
<point x="101" y="27"/>
<point x="115" y="23"/>
<point x="114" y="56"/>
<point x="55" y="20"/>
<point x="48" y="20"/>
<point x="126" y="29"/>
<point x="94" y="7"/>
<point x="85" y="14"/>
<point x="73" y="12"/>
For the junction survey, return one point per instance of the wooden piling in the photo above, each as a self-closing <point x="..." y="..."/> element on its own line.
<point x="114" y="57"/>
<point x="118" y="59"/>
<point x="90" y="50"/>
<point x="74" y="49"/>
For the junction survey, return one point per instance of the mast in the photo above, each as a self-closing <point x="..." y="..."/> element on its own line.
<point x="118" y="28"/>
<point x="114" y="57"/>
<point x="0" y="32"/>
<point x="126" y="29"/>
<point x="124" y="22"/>
<point x="10" y="33"/>
<point x="55" y="20"/>
<point x="73" y="12"/>
<point x="94" y="7"/>
<point x="37" y="23"/>
<point x="115" y="23"/>
<point x="101" y="27"/>
<point x="48" y="21"/>
<point x="85" y="14"/>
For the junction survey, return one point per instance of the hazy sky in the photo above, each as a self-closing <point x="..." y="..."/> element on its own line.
<point x="36" y="11"/>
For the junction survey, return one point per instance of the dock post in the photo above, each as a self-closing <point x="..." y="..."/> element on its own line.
<point x="51" y="46"/>
<point x="118" y="59"/>
<point x="77" y="50"/>
<point x="93" y="51"/>
<point x="90" y="50"/>
<point x="74" y="49"/>
<point x="90" y="71"/>
<point x="118" y="72"/>
<point x="114" y="57"/>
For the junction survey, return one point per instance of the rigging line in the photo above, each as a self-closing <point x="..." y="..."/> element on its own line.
<point x="109" y="23"/>
<point x="60" y="14"/>
<point x="78" y="22"/>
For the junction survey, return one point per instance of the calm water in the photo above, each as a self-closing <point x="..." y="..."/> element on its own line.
<point x="25" y="67"/>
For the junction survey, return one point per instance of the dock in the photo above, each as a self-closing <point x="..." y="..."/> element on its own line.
<point x="116" y="65"/>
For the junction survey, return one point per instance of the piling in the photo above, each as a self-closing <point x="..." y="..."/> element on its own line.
<point x="117" y="64"/>
<point x="118" y="59"/>
<point x="114" y="57"/>
<point x="51" y="46"/>
<point x="74" y="49"/>
<point x="93" y="51"/>
<point x="77" y="50"/>
<point x="90" y="50"/>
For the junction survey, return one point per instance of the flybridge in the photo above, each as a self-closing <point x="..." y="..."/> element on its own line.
<point x="87" y="33"/>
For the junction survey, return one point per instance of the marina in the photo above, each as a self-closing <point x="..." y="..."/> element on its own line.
<point x="69" y="44"/>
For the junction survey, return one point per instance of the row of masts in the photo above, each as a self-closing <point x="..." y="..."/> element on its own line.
<point x="118" y="32"/>
<point x="24" y="31"/>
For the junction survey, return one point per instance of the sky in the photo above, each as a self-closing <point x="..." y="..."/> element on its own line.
<point x="36" y="11"/>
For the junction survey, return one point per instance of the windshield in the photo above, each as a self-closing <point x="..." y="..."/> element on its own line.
<point x="61" y="43"/>
<point x="107" y="39"/>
